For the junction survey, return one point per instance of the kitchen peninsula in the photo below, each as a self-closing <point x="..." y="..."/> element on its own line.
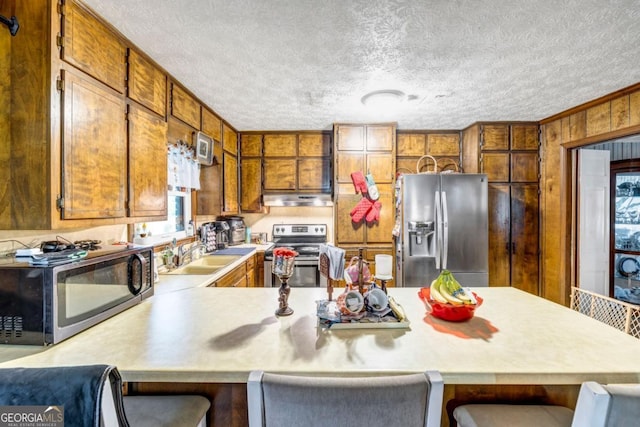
<point x="207" y="340"/>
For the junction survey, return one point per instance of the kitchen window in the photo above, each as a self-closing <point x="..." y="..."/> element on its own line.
<point x="177" y="225"/>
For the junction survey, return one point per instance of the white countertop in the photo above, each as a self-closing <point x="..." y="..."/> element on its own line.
<point x="175" y="282"/>
<point x="221" y="334"/>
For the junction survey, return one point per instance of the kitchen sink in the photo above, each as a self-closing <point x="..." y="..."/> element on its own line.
<point x="215" y="260"/>
<point x="195" y="269"/>
<point x="208" y="264"/>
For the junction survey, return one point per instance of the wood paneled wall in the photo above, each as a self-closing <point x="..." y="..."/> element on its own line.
<point x="612" y="116"/>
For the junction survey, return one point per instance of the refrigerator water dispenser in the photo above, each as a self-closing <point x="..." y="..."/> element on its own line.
<point x="421" y="238"/>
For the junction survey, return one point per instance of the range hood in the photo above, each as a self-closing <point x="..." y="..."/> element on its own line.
<point x="290" y="199"/>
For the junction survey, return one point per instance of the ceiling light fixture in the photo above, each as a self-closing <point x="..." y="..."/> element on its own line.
<point x="383" y="98"/>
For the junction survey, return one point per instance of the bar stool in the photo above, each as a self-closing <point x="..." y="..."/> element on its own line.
<point x="166" y="411"/>
<point x="598" y="406"/>
<point x="413" y="400"/>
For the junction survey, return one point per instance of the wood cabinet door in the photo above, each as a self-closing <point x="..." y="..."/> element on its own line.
<point x="229" y="140"/>
<point x="91" y="47"/>
<point x="147" y="163"/>
<point x="349" y="162"/>
<point x="350" y="137"/>
<point x="494" y="137"/>
<point x="496" y="166"/>
<point x="524" y="167"/>
<point x="380" y="137"/>
<point x="236" y="278"/>
<point x="146" y="84"/>
<point x="230" y="184"/>
<point x="499" y="235"/>
<point x="524" y="137"/>
<point x="280" y="174"/>
<point x="411" y="145"/>
<point x="380" y="231"/>
<point x="381" y="166"/>
<point x="184" y="107"/>
<point x="314" y="174"/>
<point x="347" y="231"/>
<point x="314" y="145"/>
<point x="94" y="149"/>
<point x="250" y="184"/>
<point x="443" y="144"/>
<point x="284" y="145"/>
<point x="212" y="126"/>
<point x="250" y="145"/>
<point x="524" y="237"/>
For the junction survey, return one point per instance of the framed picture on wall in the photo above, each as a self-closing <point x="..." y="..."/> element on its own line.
<point x="204" y="148"/>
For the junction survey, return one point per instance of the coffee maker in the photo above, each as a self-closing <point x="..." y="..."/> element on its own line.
<point x="222" y="234"/>
<point x="236" y="227"/>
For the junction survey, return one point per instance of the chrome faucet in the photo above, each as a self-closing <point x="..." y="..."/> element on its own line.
<point x="196" y="248"/>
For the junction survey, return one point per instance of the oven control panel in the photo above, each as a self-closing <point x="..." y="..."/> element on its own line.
<point x="291" y="230"/>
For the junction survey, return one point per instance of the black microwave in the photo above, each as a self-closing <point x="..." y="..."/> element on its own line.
<point x="42" y="305"/>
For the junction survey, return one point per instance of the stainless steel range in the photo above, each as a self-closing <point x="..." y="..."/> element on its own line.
<point x="304" y="239"/>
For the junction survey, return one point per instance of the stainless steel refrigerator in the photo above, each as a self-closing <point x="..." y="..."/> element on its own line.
<point x="443" y="222"/>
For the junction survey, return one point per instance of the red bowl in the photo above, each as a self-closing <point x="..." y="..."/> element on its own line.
<point x="450" y="312"/>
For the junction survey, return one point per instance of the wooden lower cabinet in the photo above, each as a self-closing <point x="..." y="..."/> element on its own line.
<point x="259" y="269"/>
<point x="251" y="271"/>
<point x="234" y="279"/>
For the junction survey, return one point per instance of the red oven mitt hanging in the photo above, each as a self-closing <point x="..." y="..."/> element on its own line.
<point x="359" y="182"/>
<point x="360" y="210"/>
<point x="374" y="213"/>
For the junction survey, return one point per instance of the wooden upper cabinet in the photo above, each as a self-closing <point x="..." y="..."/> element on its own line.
<point x="495" y="166"/>
<point x="381" y="167"/>
<point x="524" y="137"/>
<point x="313" y="174"/>
<point x="350" y="137"/>
<point x="94" y="149"/>
<point x="494" y="137"/>
<point x="250" y="184"/>
<point x="184" y="106"/>
<point x="380" y="232"/>
<point x="89" y="45"/>
<point x="229" y="184"/>
<point x="280" y="174"/>
<point x="524" y="167"/>
<point x="251" y="145"/>
<point x="380" y="137"/>
<point x="348" y="163"/>
<point x="147" y="163"/>
<point x="147" y="84"/>
<point x="229" y="140"/>
<point x="314" y="145"/>
<point x="443" y="144"/>
<point x="411" y="145"/>
<point x="280" y="145"/>
<point x="211" y="125"/>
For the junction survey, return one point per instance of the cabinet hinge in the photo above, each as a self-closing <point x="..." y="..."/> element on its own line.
<point x="60" y="85"/>
<point x="60" y="8"/>
<point x="60" y="40"/>
<point x="60" y="202"/>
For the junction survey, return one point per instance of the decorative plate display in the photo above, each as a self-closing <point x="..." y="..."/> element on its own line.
<point x="448" y="311"/>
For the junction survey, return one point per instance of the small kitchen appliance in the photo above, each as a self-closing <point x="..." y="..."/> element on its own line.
<point x="237" y="229"/>
<point x="49" y="302"/>
<point x="222" y="234"/>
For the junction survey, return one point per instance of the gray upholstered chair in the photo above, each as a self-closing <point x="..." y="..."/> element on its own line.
<point x="92" y="396"/>
<point x="398" y="400"/>
<point x="614" y="405"/>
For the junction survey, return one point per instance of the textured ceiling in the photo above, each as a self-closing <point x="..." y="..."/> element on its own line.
<point x="305" y="64"/>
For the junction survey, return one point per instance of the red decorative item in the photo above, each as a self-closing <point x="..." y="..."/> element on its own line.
<point x="360" y="210"/>
<point x="359" y="182"/>
<point x="449" y="312"/>
<point x="284" y="252"/>
<point x="374" y="212"/>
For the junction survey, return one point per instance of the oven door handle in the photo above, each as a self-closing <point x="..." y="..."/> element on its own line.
<point x="305" y="262"/>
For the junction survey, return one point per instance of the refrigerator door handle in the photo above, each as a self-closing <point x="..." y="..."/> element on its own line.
<point x="438" y="220"/>
<point x="445" y="230"/>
